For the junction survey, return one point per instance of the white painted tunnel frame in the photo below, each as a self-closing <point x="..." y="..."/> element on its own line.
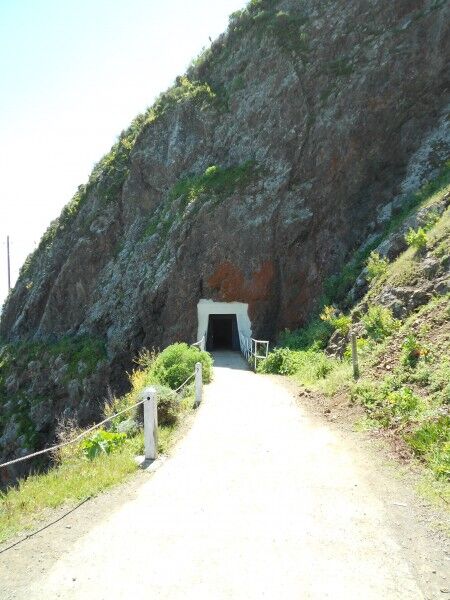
<point x="258" y="349"/>
<point x="209" y="307"/>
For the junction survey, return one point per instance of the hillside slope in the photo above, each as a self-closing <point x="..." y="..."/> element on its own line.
<point x="402" y="324"/>
<point x="253" y="179"/>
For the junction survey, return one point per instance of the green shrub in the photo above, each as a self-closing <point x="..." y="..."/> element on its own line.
<point x="177" y="362"/>
<point x="430" y="434"/>
<point x="376" y="266"/>
<point x="217" y="181"/>
<point x="337" y="286"/>
<point x="102" y="442"/>
<point x="440" y="381"/>
<point x="379" y="322"/>
<point x="169" y="406"/>
<point x="417" y="239"/>
<point x="311" y="367"/>
<point x="199" y="92"/>
<point x="431" y="219"/>
<point x="281" y="361"/>
<point x="338" y="321"/>
<point x="422" y="374"/>
<point x="315" y="335"/>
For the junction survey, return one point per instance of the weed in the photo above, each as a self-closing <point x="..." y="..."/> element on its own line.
<point x="432" y="442"/>
<point x="412" y="351"/>
<point x="198" y="92"/>
<point x="386" y="405"/>
<point x="376" y="266"/>
<point x="110" y="453"/>
<point x="71" y="481"/>
<point x="363" y="346"/>
<point x="338" y="285"/>
<point x="379" y="322"/>
<point x="403" y="404"/>
<point x="102" y="441"/>
<point x="310" y="367"/>
<point x="215" y="184"/>
<point x="417" y="239"/>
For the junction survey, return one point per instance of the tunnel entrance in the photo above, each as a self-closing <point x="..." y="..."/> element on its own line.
<point x="222" y="333"/>
<point x="215" y="319"/>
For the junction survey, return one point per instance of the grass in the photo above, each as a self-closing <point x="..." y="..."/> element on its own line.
<point x="74" y="476"/>
<point x="409" y="399"/>
<point x="72" y="481"/>
<point x="215" y="181"/>
<point x="315" y="334"/>
<point x="213" y="185"/>
<point x="404" y="269"/>
<point x="405" y="366"/>
<point x="75" y="479"/>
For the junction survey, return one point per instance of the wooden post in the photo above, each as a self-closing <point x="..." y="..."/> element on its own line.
<point x="354" y="356"/>
<point x="150" y="424"/>
<point x="9" y="263"/>
<point x="198" y="384"/>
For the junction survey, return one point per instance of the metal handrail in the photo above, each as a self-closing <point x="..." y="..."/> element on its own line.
<point x="250" y="348"/>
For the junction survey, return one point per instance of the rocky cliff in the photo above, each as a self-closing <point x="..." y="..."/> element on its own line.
<point x="252" y="179"/>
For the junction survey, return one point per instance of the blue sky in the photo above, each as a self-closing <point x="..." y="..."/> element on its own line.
<point x="73" y="74"/>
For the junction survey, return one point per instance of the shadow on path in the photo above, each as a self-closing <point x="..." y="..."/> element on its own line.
<point x="226" y="359"/>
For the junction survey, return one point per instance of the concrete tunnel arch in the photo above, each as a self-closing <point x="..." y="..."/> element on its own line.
<point x="215" y="320"/>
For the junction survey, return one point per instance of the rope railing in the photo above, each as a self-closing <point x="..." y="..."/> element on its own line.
<point x="184" y="383"/>
<point x="149" y="393"/>
<point x="72" y="441"/>
<point x="200" y="344"/>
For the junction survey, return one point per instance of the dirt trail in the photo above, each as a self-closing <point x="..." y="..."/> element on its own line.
<point x="258" y="501"/>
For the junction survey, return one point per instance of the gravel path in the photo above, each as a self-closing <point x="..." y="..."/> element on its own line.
<point x="257" y="501"/>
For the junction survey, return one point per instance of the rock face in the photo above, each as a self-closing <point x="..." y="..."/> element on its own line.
<point x="251" y="180"/>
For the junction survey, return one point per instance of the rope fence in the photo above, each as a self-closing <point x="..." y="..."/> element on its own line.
<point x="149" y="394"/>
<point x="200" y="344"/>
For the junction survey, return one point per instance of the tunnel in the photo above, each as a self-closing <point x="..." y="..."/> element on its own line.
<point x="222" y="324"/>
<point x="222" y="332"/>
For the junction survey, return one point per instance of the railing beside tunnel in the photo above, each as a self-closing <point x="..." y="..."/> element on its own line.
<point x="201" y="344"/>
<point x="253" y="350"/>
